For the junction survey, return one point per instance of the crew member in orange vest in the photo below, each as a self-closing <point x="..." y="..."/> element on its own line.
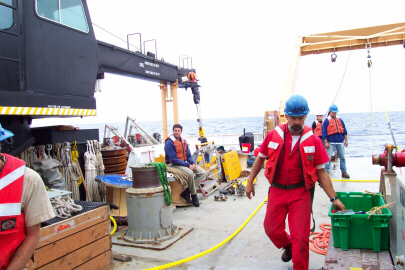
<point x="317" y="126"/>
<point x="178" y="156"/>
<point x="296" y="161"/>
<point x="334" y="134"/>
<point x="24" y="204"/>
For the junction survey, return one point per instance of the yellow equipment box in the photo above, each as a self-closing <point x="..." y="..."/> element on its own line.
<point x="231" y="165"/>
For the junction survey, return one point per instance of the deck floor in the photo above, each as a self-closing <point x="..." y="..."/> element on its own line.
<point x="214" y="221"/>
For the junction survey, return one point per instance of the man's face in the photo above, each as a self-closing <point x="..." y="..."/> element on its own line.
<point x="177" y="132"/>
<point x="296" y="124"/>
<point x="332" y="114"/>
<point x="319" y="118"/>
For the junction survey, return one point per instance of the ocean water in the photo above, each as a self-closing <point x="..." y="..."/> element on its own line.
<point x="358" y="126"/>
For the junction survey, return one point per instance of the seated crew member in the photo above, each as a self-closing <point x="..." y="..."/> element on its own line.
<point x="178" y="156"/>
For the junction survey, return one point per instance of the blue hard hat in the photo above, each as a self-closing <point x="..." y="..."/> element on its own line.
<point x="296" y="105"/>
<point x="5" y="134"/>
<point x="333" y="108"/>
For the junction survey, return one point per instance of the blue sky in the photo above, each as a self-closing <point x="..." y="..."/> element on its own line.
<point x="242" y="51"/>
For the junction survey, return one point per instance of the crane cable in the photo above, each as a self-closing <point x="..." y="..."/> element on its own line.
<point x="165" y="266"/>
<point x="341" y="82"/>
<point x="369" y="63"/>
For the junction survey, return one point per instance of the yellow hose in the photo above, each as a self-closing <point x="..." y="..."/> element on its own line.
<point x="165" y="266"/>
<point x="115" y="225"/>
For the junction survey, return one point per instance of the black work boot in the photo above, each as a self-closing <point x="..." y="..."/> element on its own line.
<point x="287" y="254"/>
<point x="186" y="195"/>
<point x="196" y="203"/>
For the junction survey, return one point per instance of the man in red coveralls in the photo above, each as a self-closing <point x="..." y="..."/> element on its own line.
<point x="296" y="160"/>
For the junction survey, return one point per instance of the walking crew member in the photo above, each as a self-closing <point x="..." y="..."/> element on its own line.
<point x="335" y="136"/>
<point x="296" y="160"/>
<point x="24" y="204"/>
<point x="178" y="156"/>
<point x="317" y="126"/>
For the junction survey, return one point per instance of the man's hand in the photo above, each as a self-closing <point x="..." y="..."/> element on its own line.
<point x="193" y="167"/>
<point x="250" y="190"/>
<point x="338" y="205"/>
<point x="326" y="145"/>
<point x="346" y="143"/>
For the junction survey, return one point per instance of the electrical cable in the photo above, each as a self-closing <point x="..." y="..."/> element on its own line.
<point x="115" y="225"/>
<point x="165" y="266"/>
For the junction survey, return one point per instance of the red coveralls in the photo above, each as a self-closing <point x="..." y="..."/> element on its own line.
<point x="295" y="202"/>
<point x="12" y="229"/>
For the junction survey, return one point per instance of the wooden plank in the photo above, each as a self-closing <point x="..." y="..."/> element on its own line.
<point x="367" y="257"/>
<point x="72" y="225"/>
<point x="80" y="256"/>
<point x="69" y="244"/>
<point x="338" y="259"/>
<point x="121" y="257"/>
<point x="385" y="259"/>
<point x="101" y="262"/>
<point x="110" y="199"/>
<point x="242" y="161"/>
<point x="123" y="202"/>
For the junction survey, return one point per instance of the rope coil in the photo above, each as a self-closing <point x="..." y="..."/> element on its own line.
<point x="64" y="207"/>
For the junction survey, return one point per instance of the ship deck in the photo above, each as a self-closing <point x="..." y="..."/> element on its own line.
<point x="214" y="221"/>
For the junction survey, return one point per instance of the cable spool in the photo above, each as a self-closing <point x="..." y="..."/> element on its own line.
<point x="115" y="160"/>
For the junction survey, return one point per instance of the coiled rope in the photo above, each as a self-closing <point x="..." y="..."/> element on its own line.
<point x="64" y="207"/>
<point x="70" y="173"/>
<point x="100" y="169"/>
<point x="377" y="209"/>
<point x="162" y="172"/>
<point x="90" y="162"/>
<point x="165" y="266"/>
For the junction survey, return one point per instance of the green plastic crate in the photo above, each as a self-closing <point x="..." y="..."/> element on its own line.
<point x="355" y="230"/>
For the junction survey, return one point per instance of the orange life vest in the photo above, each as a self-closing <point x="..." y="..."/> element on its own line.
<point x="181" y="147"/>
<point x="335" y="126"/>
<point x="12" y="230"/>
<point x="318" y="129"/>
<point x="306" y="151"/>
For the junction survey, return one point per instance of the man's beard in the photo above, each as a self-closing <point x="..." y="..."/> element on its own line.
<point x="295" y="128"/>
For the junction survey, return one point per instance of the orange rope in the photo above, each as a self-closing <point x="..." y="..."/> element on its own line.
<point x="320" y="240"/>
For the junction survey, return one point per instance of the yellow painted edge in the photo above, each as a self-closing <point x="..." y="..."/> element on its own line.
<point x="350" y="180"/>
<point x="4" y="110"/>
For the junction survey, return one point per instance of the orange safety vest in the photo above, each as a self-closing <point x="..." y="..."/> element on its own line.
<point x="181" y="147"/>
<point x="12" y="230"/>
<point x="318" y="129"/>
<point x="306" y="150"/>
<point x="335" y="126"/>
